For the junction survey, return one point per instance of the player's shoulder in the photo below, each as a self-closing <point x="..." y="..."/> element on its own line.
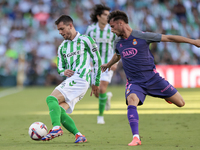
<point x="86" y="38"/>
<point x="63" y="42"/>
<point x="142" y="33"/>
<point x="83" y="36"/>
<point x="91" y="27"/>
<point x="117" y="40"/>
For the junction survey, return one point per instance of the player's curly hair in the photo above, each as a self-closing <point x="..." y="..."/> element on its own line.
<point x="98" y="10"/>
<point x="116" y="15"/>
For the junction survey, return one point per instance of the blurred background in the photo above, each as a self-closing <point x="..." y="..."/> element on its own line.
<point x="29" y="39"/>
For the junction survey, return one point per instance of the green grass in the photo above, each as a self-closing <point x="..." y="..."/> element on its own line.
<point x="162" y="126"/>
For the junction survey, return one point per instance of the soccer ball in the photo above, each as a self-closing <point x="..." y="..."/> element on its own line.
<point x="37" y="130"/>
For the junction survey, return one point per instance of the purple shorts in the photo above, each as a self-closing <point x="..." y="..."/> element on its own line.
<point x="156" y="87"/>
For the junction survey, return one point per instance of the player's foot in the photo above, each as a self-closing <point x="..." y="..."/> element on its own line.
<point x="135" y="142"/>
<point x="52" y="134"/>
<point x="168" y="102"/>
<point x="100" y="120"/>
<point x="108" y="104"/>
<point x="80" y="138"/>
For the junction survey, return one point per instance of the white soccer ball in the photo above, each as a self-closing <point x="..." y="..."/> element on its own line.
<point x="37" y="130"/>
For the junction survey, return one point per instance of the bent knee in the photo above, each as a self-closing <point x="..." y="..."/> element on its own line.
<point x="133" y="99"/>
<point x="179" y="102"/>
<point x="182" y="103"/>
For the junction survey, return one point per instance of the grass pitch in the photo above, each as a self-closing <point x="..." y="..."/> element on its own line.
<point x="162" y="126"/>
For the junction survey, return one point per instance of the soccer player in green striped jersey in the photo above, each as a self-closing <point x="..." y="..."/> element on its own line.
<point x="100" y="31"/>
<point x="74" y="58"/>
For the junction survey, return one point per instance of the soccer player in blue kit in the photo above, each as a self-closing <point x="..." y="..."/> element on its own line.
<point x="132" y="47"/>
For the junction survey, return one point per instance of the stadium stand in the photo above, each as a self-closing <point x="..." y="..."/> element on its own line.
<point x="29" y="39"/>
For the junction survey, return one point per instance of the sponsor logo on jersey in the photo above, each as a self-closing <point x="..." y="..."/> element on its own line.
<point x="134" y="42"/>
<point x="73" y="53"/>
<point x="129" y="52"/>
<point x="101" y="40"/>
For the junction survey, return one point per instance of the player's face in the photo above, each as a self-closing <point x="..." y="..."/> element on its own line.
<point x="116" y="28"/>
<point x="65" y="30"/>
<point x="104" y="17"/>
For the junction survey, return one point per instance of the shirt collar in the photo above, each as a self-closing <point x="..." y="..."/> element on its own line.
<point x="76" y="37"/>
<point x="105" y="28"/>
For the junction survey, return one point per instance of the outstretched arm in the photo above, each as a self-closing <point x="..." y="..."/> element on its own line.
<point x="114" y="59"/>
<point x="180" y="39"/>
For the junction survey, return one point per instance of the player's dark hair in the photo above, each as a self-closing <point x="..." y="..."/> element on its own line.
<point x="65" y="19"/>
<point x="98" y="10"/>
<point x="118" y="15"/>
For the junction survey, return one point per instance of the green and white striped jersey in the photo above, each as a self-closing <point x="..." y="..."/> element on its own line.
<point x="76" y="55"/>
<point x="104" y="40"/>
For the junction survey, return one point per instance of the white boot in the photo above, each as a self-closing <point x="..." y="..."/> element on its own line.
<point x="100" y="120"/>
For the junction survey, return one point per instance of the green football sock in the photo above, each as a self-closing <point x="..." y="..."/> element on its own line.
<point x="67" y="122"/>
<point x="54" y="110"/>
<point x="102" y="103"/>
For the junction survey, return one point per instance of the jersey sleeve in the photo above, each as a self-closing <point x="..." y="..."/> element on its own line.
<point x="148" y="36"/>
<point x="61" y="65"/>
<point x="96" y="61"/>
<point x="115" y="45"/>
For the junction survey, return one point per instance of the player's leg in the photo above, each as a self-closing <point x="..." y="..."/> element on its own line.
<point x="104" y="98"/>
<point x="69" y="124"/>
<point x="176" y="99"/>
<point x="159" y="87"/>
<point x="133" y="118"/>
<point x="73" y="90"/>
<point x="134" y="96"/>
<point x="55" y="113"/>
<point x="102" y="101"/>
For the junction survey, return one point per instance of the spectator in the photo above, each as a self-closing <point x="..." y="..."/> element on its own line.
<point x="180" y="10"/>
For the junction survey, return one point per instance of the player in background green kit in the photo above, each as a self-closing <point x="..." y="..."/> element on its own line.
<point x="100" y="31"/>
<point x="74" y="56"/>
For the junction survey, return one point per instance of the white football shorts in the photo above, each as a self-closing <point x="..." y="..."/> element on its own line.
<point x="73" y="89"/>
<point x="106" y="76"/>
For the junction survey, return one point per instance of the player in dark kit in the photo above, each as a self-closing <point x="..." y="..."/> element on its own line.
<point x="132" y="47"/>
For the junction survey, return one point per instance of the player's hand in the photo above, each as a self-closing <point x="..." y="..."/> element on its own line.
<point x="95" y="90"/>
<point x="104" y="67"/>
<point x="68" y="73"/>
<point x="197" y="43"/>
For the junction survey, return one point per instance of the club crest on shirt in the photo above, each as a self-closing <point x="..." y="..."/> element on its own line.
<point x="78" y="44"/>
<point x="127" y="91"/>
<point x="134" y="42"/>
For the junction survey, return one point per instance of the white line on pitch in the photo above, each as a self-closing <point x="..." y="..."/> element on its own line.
<point x="10" y="91"/>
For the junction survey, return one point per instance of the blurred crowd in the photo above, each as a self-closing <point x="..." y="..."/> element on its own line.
<point x="29" y="39"/>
